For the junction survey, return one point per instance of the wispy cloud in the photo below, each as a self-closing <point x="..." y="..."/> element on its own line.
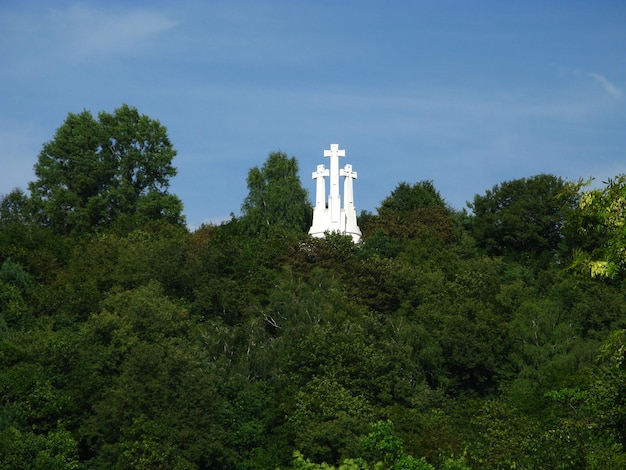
<point x="606" y="85"/>
<point x="96" y="32"/>
<point x="32" y="40"/>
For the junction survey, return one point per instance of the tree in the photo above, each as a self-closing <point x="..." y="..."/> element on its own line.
<point x="276" y="201"/>
<point x="99" y="172"/>
<point x="522" y="219"/>
<point x="13" y="208"/>
<point x="501" y="437"/>
<point x="385" y="450"/>
<point x="601" y="218"/>
<point x="408" y="197"/>
<point x="412" y="212"/>
<point x="591" y="424"/>
<point x="141" y="384"/>
<point x="56" y="450"/>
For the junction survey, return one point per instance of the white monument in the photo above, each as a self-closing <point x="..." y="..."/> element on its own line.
<point x="332" y="217"/>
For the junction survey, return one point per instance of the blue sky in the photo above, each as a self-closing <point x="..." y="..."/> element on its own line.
<point x="467" y="94"/>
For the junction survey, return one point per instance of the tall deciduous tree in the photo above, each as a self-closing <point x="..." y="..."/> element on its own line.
<point x="97" y="172"/>
<point x="408" y="197"/>
<point x="412" y="211"/>
<point x="276" y="201"/>
<point x="522" y="218"/>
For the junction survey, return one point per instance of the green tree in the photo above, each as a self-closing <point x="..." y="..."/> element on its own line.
<point x="501" y="437"/>
<point x="147" y="392"/>
<point x="276" y="201"/>
<point x="14" y="208"/>
<point x="411" y="212"/>
<point x="591" y="416"/>
<point x="328" y="420"/>
<point x="523" y="219"/>
<point x="602" y="213"/>
<point x="56" y="450"/>
<point x="406" y="197"/>
<point x="387" y="448"/>
<point x="14" y="286"/>
<point x="384" y="450"/>
<point x="98" y="172"/>
<point x="34" y="410"/>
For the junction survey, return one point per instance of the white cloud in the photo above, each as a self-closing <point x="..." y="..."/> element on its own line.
<point x="96" y="32"/>
<point x="607" y="86"/>
<point x="45" y="40"/>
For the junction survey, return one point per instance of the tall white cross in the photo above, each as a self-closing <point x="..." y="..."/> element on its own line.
<point x="334" y="199"/>
<point x="320" y="193"/>
<point x="348" y="191"/>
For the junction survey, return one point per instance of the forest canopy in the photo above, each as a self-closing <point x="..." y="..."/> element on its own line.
<point x="445" y="339"/>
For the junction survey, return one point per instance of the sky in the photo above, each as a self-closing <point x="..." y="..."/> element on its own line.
<point x="466" y="94"/>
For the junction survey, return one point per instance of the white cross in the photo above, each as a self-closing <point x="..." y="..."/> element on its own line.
<point x="334" y="199"/>
<point x="347" y="172"/>
<point x="320" y="173"/>
<point x="334" y="151"/>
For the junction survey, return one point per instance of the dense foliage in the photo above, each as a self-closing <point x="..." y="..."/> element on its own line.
<point x="105" y="171"/>
<point x="445" y="340"/>
<point x="276" y="201"/>
<point x="601" y="216"/>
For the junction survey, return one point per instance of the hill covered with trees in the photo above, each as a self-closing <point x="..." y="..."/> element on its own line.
<point x="444" y="340"/>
